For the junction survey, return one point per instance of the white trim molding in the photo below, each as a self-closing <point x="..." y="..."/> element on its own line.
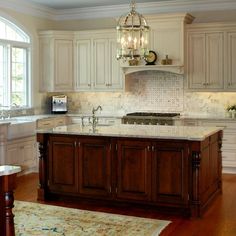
<point x="115" y="11"/>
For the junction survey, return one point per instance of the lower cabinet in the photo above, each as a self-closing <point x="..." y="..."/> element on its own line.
<point x="63" y="165"/>
<point x="94" y="166"/>
<point x="127" y="169"/>
<point x="22" y="152"/>
<point x="133" y="170"/>
<point x="174" y="189"/>
<point x="181" y="174"/>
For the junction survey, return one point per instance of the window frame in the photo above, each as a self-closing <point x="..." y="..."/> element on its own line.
<point x="10" y="44"/>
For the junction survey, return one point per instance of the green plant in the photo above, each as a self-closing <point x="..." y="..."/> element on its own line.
<point x="231" y="108"/>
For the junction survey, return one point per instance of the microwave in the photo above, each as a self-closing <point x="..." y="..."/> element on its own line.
<point x="59" y="104"/>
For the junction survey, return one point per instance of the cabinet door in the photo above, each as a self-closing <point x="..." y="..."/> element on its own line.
<point x="170" y="188"/>
<point x="231" y="60"/>
<point x="83" y="65"/>
<point x="196" y="61"/>
<point x="94" y="167"/>
<point x="205" y="61"/>
<point x="29" y="154"/>
<point x="214" y="61"/>
<point x="13" y="154"/>
<point x="63" y="165"/>
<point x="63" y="77"/>
<point x="133" y="170"/>
<point x="115" y="73"/>
<point x="101" y="63"/>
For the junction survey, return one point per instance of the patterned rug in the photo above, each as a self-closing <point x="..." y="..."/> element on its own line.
<point x="39" y="219"/>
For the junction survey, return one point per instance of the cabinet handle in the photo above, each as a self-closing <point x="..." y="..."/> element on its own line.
<point x="153" y="148"/>
<point x="110" y="189"/>
<point x="75" y="144"/>
<point x="107" y="84"/>
<point x="89" y="85"/>
<point x="148" y="148"/>
<point x="229" y="84"/>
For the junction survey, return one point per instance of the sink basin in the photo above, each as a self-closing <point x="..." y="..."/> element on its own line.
<point x="19" y="129"/>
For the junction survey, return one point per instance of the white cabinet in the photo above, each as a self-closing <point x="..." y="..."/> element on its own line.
<point x="51" y="122"/>
<point x="96" y="67"/>
<point x="56" y="61"/>
<point x="211" y="57"/>
<point x="205" y="61"/>
<point x="231" y="60"/>
<point x="229" y="139"/>
<point x="22" y="152"/>
<point x="167" y="36"/>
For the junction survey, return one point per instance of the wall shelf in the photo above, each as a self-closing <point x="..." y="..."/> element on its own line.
<point x="177" y="69"/>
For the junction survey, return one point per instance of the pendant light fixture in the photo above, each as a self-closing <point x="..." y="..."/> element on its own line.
<point x="132" y="36"/>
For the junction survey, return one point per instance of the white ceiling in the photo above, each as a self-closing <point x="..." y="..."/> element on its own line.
<point x="70" y="4"/>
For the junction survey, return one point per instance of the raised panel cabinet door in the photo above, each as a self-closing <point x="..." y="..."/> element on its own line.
<point x="101" y="63"/>
<point x="13" y="154"/>
<point x="29" y="154"/>
<point x="214" y="61"/>
<point x="83" y="64"/>
<point x="63" y="67"/>
<point x="133" y="170"/>
<point x="115" y="73"/>
<point x="63" y="165"/>
<point x="231" y="60"/>
<point x="94" y="167"/>
<point x="170" y="187"/>
<point x="196" y="59"/>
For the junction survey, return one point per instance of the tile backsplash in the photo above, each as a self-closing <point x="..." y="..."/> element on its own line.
<point x="151" y="91"/>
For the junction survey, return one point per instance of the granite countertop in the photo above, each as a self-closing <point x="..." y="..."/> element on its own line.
<point x="138" y="131"/>
<point x="9" y="170"/>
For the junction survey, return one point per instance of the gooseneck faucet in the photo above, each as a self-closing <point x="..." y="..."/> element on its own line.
<point x="94" y="118"/>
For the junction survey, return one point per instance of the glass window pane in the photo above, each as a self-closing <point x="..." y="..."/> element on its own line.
<point x="10" y="31"/>
<point x="19" y="77"/>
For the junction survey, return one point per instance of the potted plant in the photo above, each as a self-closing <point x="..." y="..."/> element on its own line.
<point x="232" y="111"/>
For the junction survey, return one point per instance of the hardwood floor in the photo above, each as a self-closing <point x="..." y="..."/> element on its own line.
<point x="219" y="220"/>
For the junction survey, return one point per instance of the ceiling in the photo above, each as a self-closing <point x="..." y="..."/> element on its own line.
<point x="70" y="4"/>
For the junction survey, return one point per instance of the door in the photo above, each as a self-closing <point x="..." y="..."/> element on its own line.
<point x="231" y="60"/>
<point x="63" y="165"/>
<point x="196" y="61"/>
<point x="133" y="170"/>
<point x="101" y="63"/>
<point x="170" y="187"/>
<point x="63" y="67"/>
<point x="83" y="65"/>
<point x="94" y="167"/>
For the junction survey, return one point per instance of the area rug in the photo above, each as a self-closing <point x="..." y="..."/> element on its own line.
<point x="39" y="219"/>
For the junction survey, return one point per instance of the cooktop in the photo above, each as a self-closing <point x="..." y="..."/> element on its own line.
<point x="153" y="114"/>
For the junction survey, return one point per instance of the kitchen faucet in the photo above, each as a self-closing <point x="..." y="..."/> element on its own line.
<point x="94" y="118"/>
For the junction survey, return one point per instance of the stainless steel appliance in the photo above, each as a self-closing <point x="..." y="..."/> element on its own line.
<point x="149" y="118"/>
<point x="59" y="104"/>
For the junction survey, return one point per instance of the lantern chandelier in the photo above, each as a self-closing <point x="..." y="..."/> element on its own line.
<point x="132" y="36"/>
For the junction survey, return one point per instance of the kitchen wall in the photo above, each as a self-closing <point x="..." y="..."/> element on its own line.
<point x="151" y="91"/>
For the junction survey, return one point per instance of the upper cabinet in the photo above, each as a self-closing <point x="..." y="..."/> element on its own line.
<point x="56" y="61"/>
<point x="211" y="53"/>
<point x="166" y="38"/>
<point x="231" y="59"/>
<point x="96" y="67"/>
<point x="79" y="61"/>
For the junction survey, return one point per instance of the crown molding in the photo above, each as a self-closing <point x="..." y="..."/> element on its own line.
<point x="25" y="7"/>
<point x="115" y="11"/>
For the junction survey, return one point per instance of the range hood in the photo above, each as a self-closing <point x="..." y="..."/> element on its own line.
<point x="166" y="38"/>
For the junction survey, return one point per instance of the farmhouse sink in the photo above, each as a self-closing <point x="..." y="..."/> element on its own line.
<point x="19" y="128"/>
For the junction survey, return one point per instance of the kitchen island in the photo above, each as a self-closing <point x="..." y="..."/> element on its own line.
<point x="167" y="167"/>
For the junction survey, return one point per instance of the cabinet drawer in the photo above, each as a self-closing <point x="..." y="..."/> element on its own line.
<point x="59" y="121"/>
<point x="45" y="123"/>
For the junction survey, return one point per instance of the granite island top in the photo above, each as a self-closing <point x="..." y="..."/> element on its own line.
<point x="194" y="133"/>
<point x="9" y="170"/>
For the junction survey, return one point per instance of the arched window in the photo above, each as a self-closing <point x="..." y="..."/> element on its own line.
<point x="14" y="65"/>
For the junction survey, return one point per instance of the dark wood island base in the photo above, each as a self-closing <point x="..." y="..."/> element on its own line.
<point x="183" y="175"/>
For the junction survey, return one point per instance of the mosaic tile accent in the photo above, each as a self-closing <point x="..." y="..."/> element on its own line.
<point x="150" y="91"/>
